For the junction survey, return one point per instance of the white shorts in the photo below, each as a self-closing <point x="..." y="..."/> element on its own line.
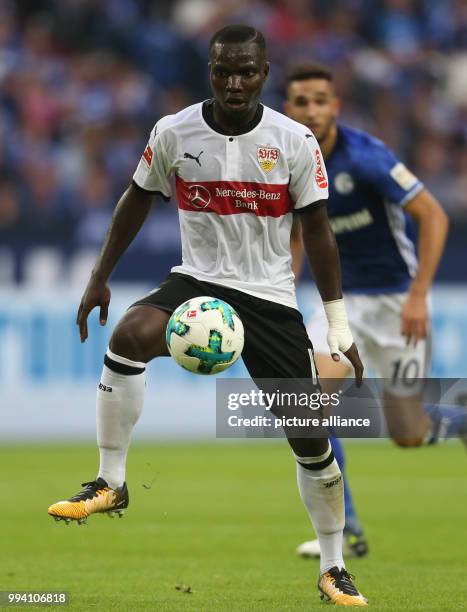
<point x="375" y="322"/>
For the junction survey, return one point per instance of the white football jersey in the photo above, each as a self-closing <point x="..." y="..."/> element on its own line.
<point x="235" y="196"/>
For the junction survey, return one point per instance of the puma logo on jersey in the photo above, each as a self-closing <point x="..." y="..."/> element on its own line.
<point x="193" y="157"/>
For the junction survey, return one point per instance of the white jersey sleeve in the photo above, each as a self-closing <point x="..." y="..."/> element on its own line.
<point x="154" y="168"/>
<point x="308" y="181"/>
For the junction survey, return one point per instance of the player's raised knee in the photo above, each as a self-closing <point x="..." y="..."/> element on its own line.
<point x="140" y="334"/>
<point x="126" y="342"/>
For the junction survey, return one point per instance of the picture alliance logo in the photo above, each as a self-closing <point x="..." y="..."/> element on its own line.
<point x="199" y="196"/>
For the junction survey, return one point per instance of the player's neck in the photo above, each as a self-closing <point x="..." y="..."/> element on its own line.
<point x="231" y="127"/>
<point x="328" y="143"/>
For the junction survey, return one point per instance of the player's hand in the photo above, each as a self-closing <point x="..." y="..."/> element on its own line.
<point x="97" y="293"/>
<point x="414" y="318"/>
<point x="339" y="337"/>
<point x="354" y="358"/>
<point x="337" y="341"/>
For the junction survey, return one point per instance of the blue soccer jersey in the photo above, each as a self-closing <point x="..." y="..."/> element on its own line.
<point x="368" y="189"/>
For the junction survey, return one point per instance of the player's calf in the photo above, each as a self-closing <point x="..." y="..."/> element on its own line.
<point x="412" y="423"/>
<point x="408" y="425"/>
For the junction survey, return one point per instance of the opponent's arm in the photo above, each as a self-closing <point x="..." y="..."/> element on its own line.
<point x="433" y="226"/>
<point x="323" y="255"/>
<point x="127" y="219"/>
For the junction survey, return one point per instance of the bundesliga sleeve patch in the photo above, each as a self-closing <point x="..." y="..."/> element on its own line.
<point x="403" y="177"/>
<point x="148" y="155"/>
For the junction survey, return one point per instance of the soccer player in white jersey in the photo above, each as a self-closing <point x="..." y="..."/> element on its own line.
<point x="373" y="201"/>
<point x="238" y="170"/>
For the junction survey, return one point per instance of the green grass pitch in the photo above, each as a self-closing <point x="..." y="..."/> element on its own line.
<point x="224" y="520"/>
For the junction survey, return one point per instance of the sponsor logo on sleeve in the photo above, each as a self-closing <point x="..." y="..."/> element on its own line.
<point x="267" y="157"/>
<point x="148" y="155"/>
<point x="321" y="179"/>
<point x="403" y="177"/>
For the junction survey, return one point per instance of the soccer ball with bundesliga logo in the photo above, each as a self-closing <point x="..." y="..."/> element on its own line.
<point x="205" y="335"/>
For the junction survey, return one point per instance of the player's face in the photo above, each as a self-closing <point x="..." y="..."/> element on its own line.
<point x="237" y="74"/>
<point x="313" y="103"/>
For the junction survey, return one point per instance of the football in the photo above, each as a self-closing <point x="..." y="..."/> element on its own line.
<point x="205" y="335"/>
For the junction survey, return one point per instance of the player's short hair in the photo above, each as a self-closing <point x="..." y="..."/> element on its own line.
<point x="238" y="33"/>
<point x="304" y="72"/>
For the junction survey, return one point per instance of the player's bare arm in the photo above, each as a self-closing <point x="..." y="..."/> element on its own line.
<point x="321" y="248"/>
<point x="433" y="225"/>
<point x="129" y="215"/>
<point x="296" y="248"/>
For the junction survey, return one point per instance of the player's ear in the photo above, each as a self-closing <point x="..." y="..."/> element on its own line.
<point x="266" y="70"/>
<point x="286" y="107"/>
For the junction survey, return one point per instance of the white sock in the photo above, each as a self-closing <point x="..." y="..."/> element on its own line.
<point x="120" y="398"/>
<point x="322" y="492"/>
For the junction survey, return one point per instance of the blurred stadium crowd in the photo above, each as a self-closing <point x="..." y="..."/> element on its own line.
<point x="83" y="81"/>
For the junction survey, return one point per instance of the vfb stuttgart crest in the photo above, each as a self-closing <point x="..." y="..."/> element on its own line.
<point x="267" y="157"/>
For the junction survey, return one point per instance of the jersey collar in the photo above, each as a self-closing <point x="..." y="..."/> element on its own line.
<point x="208" y="116"/>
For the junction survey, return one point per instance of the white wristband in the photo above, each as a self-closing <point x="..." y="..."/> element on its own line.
<point x="339" y="335"/>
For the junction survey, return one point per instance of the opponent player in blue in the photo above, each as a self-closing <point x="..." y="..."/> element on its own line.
<point x="373" y="201"/>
